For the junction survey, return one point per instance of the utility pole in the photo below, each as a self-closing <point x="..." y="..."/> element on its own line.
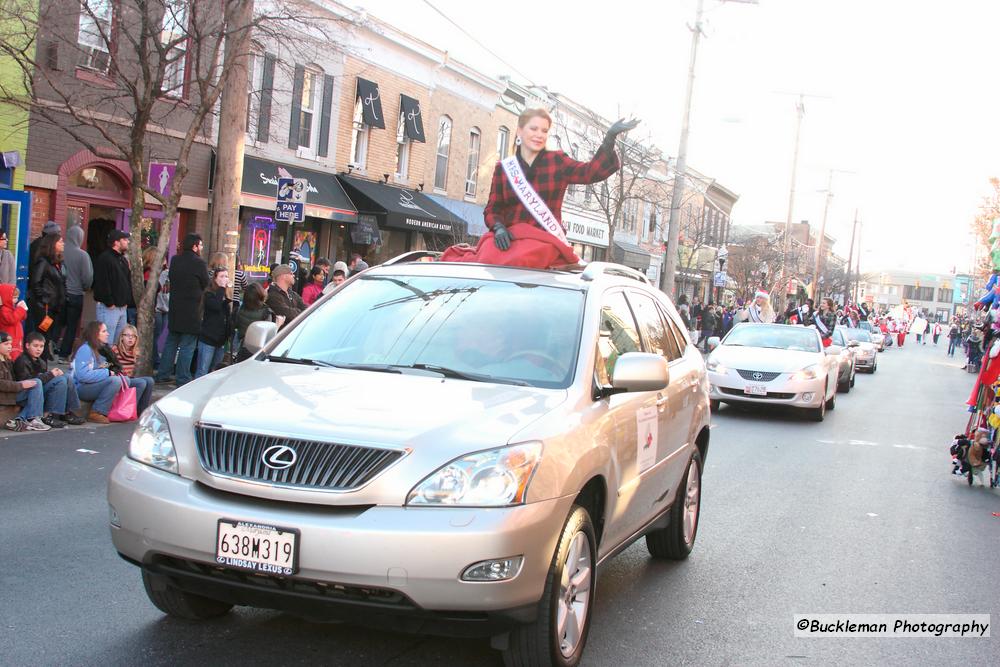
<point x="680" y="169"/>
<point x="800" y="111"/>
<point x="232" y="132"/>
<point x="850" y="256"/>
<point x="857" y="274"/>
<point x="822" y="233"/>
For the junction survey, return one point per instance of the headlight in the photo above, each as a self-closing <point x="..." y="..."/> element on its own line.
<point x="151" y="442"/>
<point x="807" y="373"/>
<point x="492" y="478"/>
<point x="714" y="366"/>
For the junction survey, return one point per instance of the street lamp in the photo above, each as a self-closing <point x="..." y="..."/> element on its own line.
<point x="720" y="277"/>
<point x="763" y="270"/>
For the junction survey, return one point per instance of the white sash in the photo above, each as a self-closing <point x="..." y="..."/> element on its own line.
<point x="536" y="206"/>
<point x="755" y="314"/>
<point x="822" y="326"/>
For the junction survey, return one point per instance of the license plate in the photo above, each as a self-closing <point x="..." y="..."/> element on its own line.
<point x="257" y="547"/>
<point x="755" y="389"/>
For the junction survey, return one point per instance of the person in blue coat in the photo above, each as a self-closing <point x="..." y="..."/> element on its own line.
<point x="98" y="378"/>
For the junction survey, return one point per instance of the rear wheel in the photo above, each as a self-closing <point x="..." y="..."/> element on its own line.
<point x="559" y="633"/>
<point x="676" y="541"/>
<point x="174" y="602"/>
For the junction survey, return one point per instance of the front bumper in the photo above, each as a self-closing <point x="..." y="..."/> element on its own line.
<point x="865" y="362"/>
<point x="729" y="388"/>
<point x="408" y="559"/>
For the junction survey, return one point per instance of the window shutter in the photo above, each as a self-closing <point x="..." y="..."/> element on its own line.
<point x="293" y="127"/>
<point x="266" y="91"/>
<point x="324" y="119"/>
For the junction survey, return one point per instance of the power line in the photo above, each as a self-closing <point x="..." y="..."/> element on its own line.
<point x="478" y="43"/>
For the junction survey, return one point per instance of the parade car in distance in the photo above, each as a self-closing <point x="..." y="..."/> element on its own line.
<point x="866" y="351"/>
<point x="848" y="360"/>
<point x="437" y="447"/>
<point x="774" y="364"/>
<point x="878" y="338"/>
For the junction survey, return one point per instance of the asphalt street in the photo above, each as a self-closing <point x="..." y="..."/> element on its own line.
<point x="858" y="514"/>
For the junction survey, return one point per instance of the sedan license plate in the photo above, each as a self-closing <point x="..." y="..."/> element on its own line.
<point x="755" y="389"/>
<point x="257" y="547"/>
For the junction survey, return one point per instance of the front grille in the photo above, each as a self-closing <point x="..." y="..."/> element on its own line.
<point x="764" y="376"/>
<point x="317" y="465"/>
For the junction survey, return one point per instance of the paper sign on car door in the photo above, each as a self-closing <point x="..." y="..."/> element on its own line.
<point x="646" y="437"/>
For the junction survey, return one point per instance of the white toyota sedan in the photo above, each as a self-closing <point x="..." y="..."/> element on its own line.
<point x="774" y="364"/>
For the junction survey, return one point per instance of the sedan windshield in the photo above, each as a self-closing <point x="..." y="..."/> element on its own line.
<point x="475" y="330"/>
<point x="859" y="335"/>
<point x="801" y="339"/>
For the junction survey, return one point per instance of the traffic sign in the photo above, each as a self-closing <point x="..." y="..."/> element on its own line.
<point x="720" y="278"/>
<point x="291" y="199"/>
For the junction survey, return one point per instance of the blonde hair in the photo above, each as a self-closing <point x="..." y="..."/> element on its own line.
<point x="121" y="336"/>
<point x="528" y="114"/>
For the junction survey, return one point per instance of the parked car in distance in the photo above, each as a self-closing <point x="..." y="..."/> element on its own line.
<point x="866" y="352"/>
<point x="437" y="447"/>
<point x="848" y="360"/>
<point x="774" y="364"/>
<point x="878" y="338"/>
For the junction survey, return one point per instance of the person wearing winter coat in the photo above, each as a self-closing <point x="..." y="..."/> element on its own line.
<point x="48" y="290"/>
<point x="13" y="312"/>
<point x="281" y="298"/>
<point x="188" y="279"/>
<point x="99" y="378"/>
<point x="79" y="278"/>
<point x="216" y="324"/>
<point x="59" y="391"/>
<point x="113" y="283"/>
<point x="8" y="267"/>
<point x="254" y="309"/>
<point x="27" y="394"/>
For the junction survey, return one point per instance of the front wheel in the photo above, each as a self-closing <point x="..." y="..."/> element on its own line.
<point x="713" y="405"/>
<point x="676" y="541"/>
<point x="817" y="414"/>
<point x="559" y="633"/>
<point x="172" y="601"/>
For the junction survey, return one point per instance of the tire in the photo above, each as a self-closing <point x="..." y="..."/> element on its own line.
<point x="832" y="403"/>
<point x="817" y="414"/>
<point x="714" y="405"/>
<point x="874" y="368"/>
<point x="854" y="377"/>
<point x="676" y="541"/>
<point x="177" y="603"/>
<point x="539" y="644"/>
<point x="845" y="387"/>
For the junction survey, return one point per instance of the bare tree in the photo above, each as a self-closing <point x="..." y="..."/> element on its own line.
<point x="982" y="229"/>
<point x="747" y="256"/>
<point x="153" y="73"/>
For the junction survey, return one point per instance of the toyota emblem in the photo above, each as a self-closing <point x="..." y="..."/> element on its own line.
<point x="756" y="376"/>
<point x="279" y="457"/>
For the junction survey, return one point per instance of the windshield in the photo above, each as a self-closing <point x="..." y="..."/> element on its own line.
<point x="801" y="339"/>
<point x="484" y="330"/>
<point x="859" y="335"/>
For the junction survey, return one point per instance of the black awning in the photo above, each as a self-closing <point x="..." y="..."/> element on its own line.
<point x="371" y="105"/>
<point x="413" y="126"/>
<point x="403" y="209"/>
<point x="325" y="197"/>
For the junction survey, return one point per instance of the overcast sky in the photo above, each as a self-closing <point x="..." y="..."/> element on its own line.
<point x="907" y="99"/>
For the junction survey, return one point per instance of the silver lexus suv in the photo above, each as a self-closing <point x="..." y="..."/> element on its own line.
<point x="436" y="447"/>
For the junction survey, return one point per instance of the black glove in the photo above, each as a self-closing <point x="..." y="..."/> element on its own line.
<point x="501" y="237"/>
<point x="619" y="126"/>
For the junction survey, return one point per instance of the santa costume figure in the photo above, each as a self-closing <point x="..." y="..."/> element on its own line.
<point x="524" y="210"/>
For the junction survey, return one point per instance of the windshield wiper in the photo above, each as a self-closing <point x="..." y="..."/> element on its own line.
<point x="376" y="368"/>
<point x="295" y="360"/>
<point x="462" y="375"/>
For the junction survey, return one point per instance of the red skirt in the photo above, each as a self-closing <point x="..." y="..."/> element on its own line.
<point x="532" y="247"/>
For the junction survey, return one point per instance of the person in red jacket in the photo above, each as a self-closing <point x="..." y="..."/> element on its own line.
<point x="524" y="210"/>
<point x="13" y="310"/>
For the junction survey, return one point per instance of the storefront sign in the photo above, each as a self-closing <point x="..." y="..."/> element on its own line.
<point x="259" y="245"/>
<point x="161" y="176"/>
<point x="366" y="231"/>
<point x="585" y="230"/>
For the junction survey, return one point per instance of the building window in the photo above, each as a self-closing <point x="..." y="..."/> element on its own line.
<point x="95" y="34"/>
<point x="443" y="149"/>
<point x="255" y="72"/>
<point x="174" y="40"/>
<point x="402" y="149"/>
<point x="503" y="142"/>
<point x="472" y="170"/>
<point x="630" y="215"/>
<point x="359" y="137"/>
<point x="307" y="111"/>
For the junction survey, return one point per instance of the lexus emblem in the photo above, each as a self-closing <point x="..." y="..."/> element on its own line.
<point x="279" y="457"/>
<point x="756" y="376"/>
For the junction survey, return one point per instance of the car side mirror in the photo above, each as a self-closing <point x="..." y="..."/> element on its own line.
<point x="834" y="349"/>
<point x="258" y="335"/>
<point x="713" y="342"/>
<point x="640" y="371"/>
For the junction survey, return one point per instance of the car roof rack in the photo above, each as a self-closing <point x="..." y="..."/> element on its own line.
<point x="412" y="256"/>
<point x="595" y="269"/>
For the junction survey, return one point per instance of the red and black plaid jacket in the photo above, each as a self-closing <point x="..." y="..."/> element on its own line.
<point x="550" y="174"/>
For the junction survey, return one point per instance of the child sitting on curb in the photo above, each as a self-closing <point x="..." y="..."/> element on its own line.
<point x="61" y="400"/>
<point x="27" y="393"/>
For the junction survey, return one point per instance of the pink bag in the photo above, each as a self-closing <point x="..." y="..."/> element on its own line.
<point x="123" y="408"/>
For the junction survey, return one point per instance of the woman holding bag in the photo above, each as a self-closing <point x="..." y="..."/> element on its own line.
<point x="98" y="377"/>
<point x="48" y="291"/>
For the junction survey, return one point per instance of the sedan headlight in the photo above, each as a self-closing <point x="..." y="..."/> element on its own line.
<point x="151" y="442"/>
<point x="714" y="366"/>
<point x="493" y="478"/>
<point x="807" y="373"/>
